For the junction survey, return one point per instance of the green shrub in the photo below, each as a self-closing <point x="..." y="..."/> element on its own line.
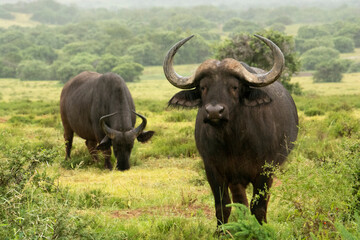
<point x="311" y="58"/>
<point x="347" y="234"/>
<point x="354" y="67"/>
<point x="313" y="112"/>
<point x="25" y="210"/>
<point x="342" y="124"/>
<point x="344" y="44"/>
<point x="246" y="226"/>
<point x="33" y="70"/>
<point x="330" y="71"/>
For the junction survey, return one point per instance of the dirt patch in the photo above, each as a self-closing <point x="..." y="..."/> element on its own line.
<point x="3" y="120"/>
<point x="277" y="182"/>
<point x="184" y="211"/>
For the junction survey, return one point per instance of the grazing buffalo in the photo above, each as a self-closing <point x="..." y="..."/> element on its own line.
<point x="100" y="109"/>
<point x="246" y="123"/>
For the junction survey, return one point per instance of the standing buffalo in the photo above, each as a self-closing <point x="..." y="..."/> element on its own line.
<point x="246" y="123"/>
<point x="100" y="109"/>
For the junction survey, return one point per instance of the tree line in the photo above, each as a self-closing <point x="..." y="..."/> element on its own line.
<point x="72" y="40"/>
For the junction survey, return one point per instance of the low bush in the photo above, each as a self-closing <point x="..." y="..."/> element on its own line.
<point x="342" y="124"/>
<point x="246" y="226"/>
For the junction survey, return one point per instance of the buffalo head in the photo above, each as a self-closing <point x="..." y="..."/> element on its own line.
<point x="123" y="141"/>
<point x="219" y="86"/>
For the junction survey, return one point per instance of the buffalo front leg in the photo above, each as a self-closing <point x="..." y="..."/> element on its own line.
<point x="68" y="136"/>
<point x="107" y="157"/>
<point x="220" y="191"/>
<point x="261" y="196"/>
<point x="91" y="145"/>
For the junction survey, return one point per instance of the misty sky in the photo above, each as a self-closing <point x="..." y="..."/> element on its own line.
<point x="241" y="4"/>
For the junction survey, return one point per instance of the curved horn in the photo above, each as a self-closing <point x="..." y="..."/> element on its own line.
<point x="137" y="131"/>
<point x="111" y="133"/>
<point x="174" y="78"/>
<point x="264" y="79"/>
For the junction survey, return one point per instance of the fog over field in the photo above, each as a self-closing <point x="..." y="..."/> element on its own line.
<point x="184" y="3"/>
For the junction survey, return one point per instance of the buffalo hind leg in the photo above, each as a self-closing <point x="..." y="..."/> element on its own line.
<point x="91" y="145"/>
<point x="68" y="136"/>
<point x="220" y="191"/>
<point x="238" y="192"/>
<point x="261" y="196"/>
<point x="107" y="157"/>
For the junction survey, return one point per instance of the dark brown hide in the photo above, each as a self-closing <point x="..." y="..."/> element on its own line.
<point x="240" y="130"/>
<point x="88" y="97"/>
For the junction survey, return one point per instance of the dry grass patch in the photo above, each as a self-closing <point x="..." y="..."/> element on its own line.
<point x="21" y="19"/>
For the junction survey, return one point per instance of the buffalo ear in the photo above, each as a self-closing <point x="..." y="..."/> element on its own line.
<point x="255" y="97"/>
<point x="104" y="144"/>
<point x="187" y="99"/>
<point x="145" y="136"/>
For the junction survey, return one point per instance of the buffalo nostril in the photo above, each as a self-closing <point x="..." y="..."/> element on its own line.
<point x="214" y="111"/>
<point x="221" y="109"/>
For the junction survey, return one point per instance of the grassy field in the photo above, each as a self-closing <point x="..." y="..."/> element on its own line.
<point x="355" y="56"/>
<point x="21" y="19"/>
<point x="165" y="194"/>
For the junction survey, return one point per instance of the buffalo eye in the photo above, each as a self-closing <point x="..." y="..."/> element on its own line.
<point x="234" y="90"/>
<point x="203" y="89"/>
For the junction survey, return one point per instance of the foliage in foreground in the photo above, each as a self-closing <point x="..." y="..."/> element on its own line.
<point x="246" y="226"/>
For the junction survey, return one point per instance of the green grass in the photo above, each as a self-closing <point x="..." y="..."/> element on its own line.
<point x="349" y="85"/>
<point x="165" y="194"/>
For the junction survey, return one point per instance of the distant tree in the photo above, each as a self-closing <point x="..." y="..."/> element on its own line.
<point x="308" y="32"/>
<point x="33" y="70"/>
<point x="303" y="45"/>
<point x="84" y="58"/>
<point x="196" y="51"/>
<point x="354" y="67"/>
<point x="7" y="71"/>
<point x="14" y="37"/>
<point x="344" y="44"/>
<point x="93" y="47"/>
<point x="330" y="71"/>
<point x="285" y="20"/>
<point x="52" y="12"/>
<point x="311" y="58"/>
<point x="82" y="67"/>
<point x="117" y="30"/>
<point x="42" y="53"/>
<point x="145" y="54"/>
<point x="67" y="67"/>
<point x="350" y="30"/>
<point x="279" y="27"/>
<point x="210" y="36"/>
<point x="106" y="63"/>
<point x="117" y="48"/>
<point x="43" y="35"/>
<point x="186" y="21"/>
<point x="237" y="25"/>
<point x="128" y="69"/>
<point x="64" y="72"/>
<point x="9" y="62"/>
<point x="255" y="53"/>
<point x="4" y="14"/>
